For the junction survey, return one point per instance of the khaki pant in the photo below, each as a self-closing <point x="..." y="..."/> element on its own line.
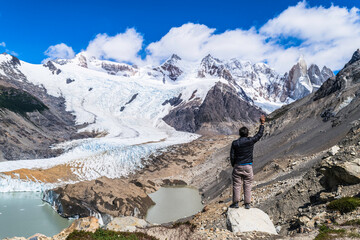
<point x="242" y="175"/>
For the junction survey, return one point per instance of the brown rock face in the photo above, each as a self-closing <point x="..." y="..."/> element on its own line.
<point x="89" y="224"/>
<point x="115" y="197"/>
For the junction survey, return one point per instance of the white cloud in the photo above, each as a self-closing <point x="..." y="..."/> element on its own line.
<point x="325" y="36"/>
<point x="194" y="41"/>
<point x="60" y="50"/>
<point x="123" y="47"/>
<point x="2" y="44"/>
<point x="186" y="41"/>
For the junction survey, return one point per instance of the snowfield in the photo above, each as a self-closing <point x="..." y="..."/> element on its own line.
<point x="134" y="126"/>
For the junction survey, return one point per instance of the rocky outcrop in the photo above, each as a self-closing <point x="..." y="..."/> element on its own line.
<point x="342" y="167"/>
<point x="50" y="65"/>
<point x="318" y="77"/>
<point x="32" y="120"/>
<point x="93" y="198"/>
<point x="126" y="224"/>
<point x="302" y="129"/>
<point x="170" y="68"/>
<point x="249" y="220"/>
<point x="222" y="111"/>
<point x="213" y="67"/>
<point x="118" y="69"/>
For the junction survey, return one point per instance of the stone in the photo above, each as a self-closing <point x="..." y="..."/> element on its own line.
<point x="38" y="236"/>
<point x="248" y="220"/>
<point x="126" y="224"/>
<point x="326" y="196"/>
<point x="88" y="224"/>
<point x="341" y="172"/>
<point x="333" y="150"/>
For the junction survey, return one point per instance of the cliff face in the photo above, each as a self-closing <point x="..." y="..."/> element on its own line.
<point x="31" y="120"/>
<point x="222" y="111"/>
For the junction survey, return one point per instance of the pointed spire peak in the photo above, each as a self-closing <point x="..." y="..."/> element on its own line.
<point x="301" y="58"/>
<point x="175" y="57"/>
<point x="355" y="57"/>
<point x="209" y="58"/>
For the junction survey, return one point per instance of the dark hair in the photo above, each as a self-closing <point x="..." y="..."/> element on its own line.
<point x="244" y="132"/>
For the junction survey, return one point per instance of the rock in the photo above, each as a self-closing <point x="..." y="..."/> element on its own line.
<point x="333" y="150"/>
<point x="278" y="229"/>
<point x="248" y="220"/>
<point x="126" y="224"/>
<point x="222" y="111"/>
<point x="341" y="172"/>
<point x="39" y="236"/>
<point x="326" y="196"/>
<point x="88" y="224"/>
<point x="114" y="197"/>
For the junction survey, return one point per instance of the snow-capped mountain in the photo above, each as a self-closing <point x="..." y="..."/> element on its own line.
<point x="142" y="109"/>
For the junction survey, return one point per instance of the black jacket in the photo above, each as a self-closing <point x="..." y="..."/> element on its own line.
<point x="242" y="149"/>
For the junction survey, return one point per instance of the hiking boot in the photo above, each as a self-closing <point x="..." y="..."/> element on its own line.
<point x="234" y="205"/>
<point x="247" y="205"/>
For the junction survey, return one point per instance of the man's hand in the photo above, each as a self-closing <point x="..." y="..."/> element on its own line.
<point x="262" y="119"/>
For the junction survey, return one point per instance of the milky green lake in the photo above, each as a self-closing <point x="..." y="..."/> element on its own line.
<point x="23" y="214"/>
<point x="173" y="203"/>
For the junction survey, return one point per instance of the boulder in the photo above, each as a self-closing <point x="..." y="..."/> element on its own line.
<point x="340" y="172"/>
<point x="126" y="224"/>
<point x="88" y="224"/>
<point x="248" y="220"/>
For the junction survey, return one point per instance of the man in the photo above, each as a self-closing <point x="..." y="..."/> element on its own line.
<point x="241" y="157"/>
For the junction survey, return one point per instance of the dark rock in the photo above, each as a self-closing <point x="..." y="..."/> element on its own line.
<point x="173" y="101"/>
<point x="50" y="65"/>
<point x="221" y="106"/>
<point x="69" y="80"/>
<point x="355" y="57"/>
<point x="132" y="98"/>
<point x="327" y="115"/>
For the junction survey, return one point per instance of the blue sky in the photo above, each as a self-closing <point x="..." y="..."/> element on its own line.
<point x="29" y="28"/>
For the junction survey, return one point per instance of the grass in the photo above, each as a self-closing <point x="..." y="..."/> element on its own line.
<point x="102" y="234"/>
<point x="354" y="222"/>
<point x="326" y="233"/>
<point x="19" y="101"/>
<point x="344" y="205"/>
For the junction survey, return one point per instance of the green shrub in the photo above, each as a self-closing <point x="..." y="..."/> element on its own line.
<point x="102" y="234"/>
<point x="344" y="205"/>
<point x="354" y="222"/>
<point x="326" y="233"/>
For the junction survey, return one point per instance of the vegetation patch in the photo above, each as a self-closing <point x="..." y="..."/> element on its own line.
<point x="102" y="234"/>
<point x="354" y="222"/>
<point x="344" y="205"/>
<point x="326" y="233"/>
<point x="19" y="101"/>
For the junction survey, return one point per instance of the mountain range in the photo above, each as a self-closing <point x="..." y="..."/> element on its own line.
<point x="97" y="96"/>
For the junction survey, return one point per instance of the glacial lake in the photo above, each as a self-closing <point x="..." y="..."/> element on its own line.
<point x="23" y="214"/>
<point x="173" y="203"/>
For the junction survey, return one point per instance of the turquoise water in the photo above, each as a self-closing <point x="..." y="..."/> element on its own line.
<point x="23" y="214"/>
<point x="173" y="203"/>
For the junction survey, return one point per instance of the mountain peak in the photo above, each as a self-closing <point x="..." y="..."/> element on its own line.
<point x="175" y="57"/>
<point x="355" y="57"/>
